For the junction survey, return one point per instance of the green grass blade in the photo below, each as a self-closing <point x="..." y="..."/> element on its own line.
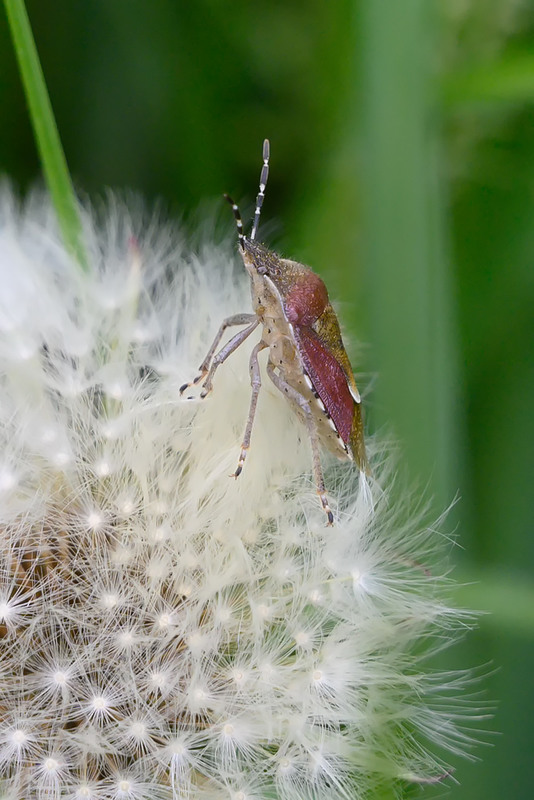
<point x="506" y="596"/>
<point x="408" y="276"/>
<point x="45" y="130"/>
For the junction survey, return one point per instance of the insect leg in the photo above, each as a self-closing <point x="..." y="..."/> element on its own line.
<point x="236" y="319"/>
<point x="255" y="380"/>
<point x="226" y="351"/>
<point x="303" y="404"/>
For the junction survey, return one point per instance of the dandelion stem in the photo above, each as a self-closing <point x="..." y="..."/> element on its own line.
<point x="46" y="134"/>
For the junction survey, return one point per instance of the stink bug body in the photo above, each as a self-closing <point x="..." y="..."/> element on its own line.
<point x="307" y="359"/>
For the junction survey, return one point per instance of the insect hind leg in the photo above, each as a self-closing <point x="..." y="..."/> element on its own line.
<point x="284" y="387"/>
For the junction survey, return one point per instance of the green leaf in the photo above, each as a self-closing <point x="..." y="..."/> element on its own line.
<point x="45" y="130"/>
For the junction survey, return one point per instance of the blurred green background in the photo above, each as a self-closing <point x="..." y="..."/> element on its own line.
<point x="402" y="136"/>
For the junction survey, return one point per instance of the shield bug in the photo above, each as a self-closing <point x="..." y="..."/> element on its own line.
<point x="307" y="359"/>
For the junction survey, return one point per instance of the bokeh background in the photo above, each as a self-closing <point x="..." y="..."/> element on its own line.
<point x="402" y="135"/>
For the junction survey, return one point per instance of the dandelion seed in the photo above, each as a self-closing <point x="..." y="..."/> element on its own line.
<point x="99" y="708"/>
<point x="84" y="791"/>
<point x="127" y="789"/>
<point x="8" y="480"/>
<point x="110" y="600"/>
<point x="95" y="521"/>
<point x="126" y="639"/>
<point x="159" y="679"/>
<point x="50" y="774"/>
<point x="61" y="459"/>
<point x="17" y="746"/>
<point x="103" y="468"/>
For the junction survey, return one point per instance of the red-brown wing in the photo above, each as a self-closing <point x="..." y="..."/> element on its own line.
<point x="328" y="378"/>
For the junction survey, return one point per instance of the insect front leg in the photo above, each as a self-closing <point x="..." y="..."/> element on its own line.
<point x="226" y="351"/>
<point x="255" y="380"/>
<point x="303" y="404"/>
<point x="236" y="319"/>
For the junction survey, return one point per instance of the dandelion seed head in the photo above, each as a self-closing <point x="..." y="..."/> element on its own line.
<point x="165" y="620"/>
<point x="99" y="708"/>
<point x="8" y="480"/>
<point x="126" y="639"/>
<point x="178" y="749"/>
<point x="166" y="632"/>
<point x="263" y="611"/>
<point x="127" y="789"/>
<point x="110" y="600"/>
<point x="95" y="520"/>
<point x="160" y="533"/>
<point x="6" y="610"/>
<point x="60" y="678"/>
<point x="19" y="737"/>
<point x="126" y="505"/>
<point x="103" y="468"/>
<point x="185" y="589"/>
<point x="83" y="793"/>
<point x="159" y="679"/>
<point x="50" y="772"/>
<point x="61" y="458"/>
<point x="121" y="556"/>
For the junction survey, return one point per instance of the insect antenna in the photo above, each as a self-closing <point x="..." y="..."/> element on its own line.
<point x="238" y="221"/>
<point x="263" y="183"/>
<point x="259" y="200"/>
